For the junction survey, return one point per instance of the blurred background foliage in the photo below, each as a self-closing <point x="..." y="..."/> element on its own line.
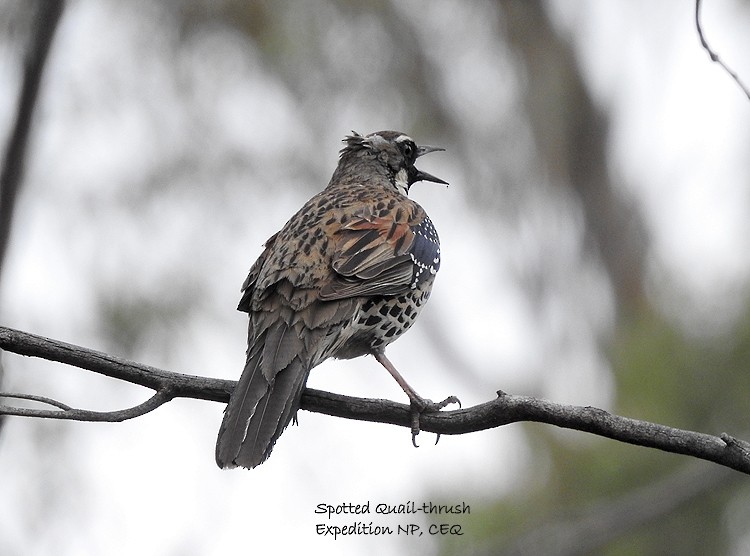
<point x="595" y="235"/>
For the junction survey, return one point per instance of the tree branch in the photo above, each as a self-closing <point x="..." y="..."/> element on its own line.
<point x="713" y="55"/>
<point x="181" y="385"/>
<point x="505" y="409"/>
<point x="161" y="397"/>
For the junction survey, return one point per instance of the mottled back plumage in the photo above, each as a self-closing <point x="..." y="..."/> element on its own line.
<point x="344" y="277"/>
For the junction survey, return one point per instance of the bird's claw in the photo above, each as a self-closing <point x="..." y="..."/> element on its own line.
<point x="421" y="405"/>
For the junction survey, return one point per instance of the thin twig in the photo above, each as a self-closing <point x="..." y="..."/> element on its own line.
<point x="159" y="398"/>
<point x="503" y="410"/>
<point x="712" y="54"/>
<point x="34" y="398"/>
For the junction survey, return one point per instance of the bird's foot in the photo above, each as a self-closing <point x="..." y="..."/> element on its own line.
<point x="421" y="405"/>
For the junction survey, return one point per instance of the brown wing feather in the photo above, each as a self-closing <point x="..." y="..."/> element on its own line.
<point x="371" y="257"/>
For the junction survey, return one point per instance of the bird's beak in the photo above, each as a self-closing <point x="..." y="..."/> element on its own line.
<point x="424" y="176"/>
<point x="426" y="149"/>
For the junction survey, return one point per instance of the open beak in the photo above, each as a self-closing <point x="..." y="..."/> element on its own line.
<point x="425" y="149"/>
<point x="424" y="176"/>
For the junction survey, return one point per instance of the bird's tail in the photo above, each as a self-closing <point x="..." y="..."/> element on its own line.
<point x="265" y="398"/>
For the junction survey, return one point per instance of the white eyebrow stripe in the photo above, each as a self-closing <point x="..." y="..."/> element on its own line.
<point x="402" y="138"/>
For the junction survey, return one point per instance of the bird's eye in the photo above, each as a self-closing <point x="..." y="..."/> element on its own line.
<point x="408" y="150"/>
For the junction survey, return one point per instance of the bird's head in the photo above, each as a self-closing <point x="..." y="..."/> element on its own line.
<point x="389" y="154"/>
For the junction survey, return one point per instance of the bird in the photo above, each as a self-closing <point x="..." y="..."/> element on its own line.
<point x="343" y="278"/>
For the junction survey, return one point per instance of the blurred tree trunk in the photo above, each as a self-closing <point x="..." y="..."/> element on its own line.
<point x="48" y="14"/>
<point x="571" y="135"/>
<point x="654" y="364"/>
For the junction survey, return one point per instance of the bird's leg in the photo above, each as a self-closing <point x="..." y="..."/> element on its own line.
<point x="418" y="404"/>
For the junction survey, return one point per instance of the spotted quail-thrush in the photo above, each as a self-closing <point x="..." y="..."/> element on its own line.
<point x="345" y="277"/>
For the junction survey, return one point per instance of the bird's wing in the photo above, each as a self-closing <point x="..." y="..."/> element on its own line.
<point x="375" y="255"/>
<point x="252" y="276"/>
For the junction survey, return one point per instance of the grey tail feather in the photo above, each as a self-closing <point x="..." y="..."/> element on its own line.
<point x="259" y="411"/>
<point x="272" y="415"/>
